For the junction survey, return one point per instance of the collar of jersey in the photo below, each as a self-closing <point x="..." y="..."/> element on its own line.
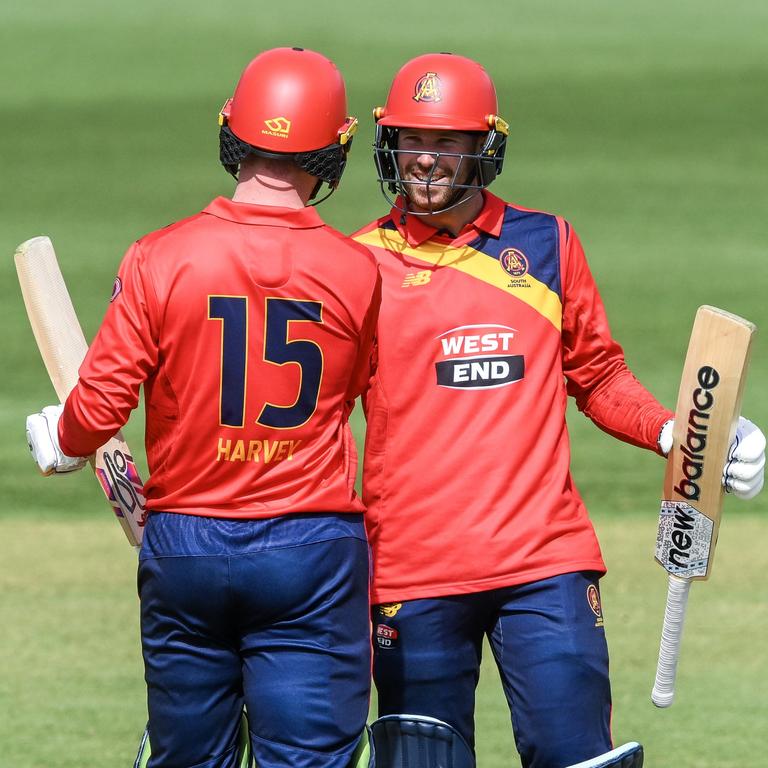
<point x="266" y="215"/>
<point x="488" y="221"/>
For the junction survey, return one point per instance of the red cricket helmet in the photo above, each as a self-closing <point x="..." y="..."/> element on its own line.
<point x="441" y="91"/>
<point x="289" y="102"/>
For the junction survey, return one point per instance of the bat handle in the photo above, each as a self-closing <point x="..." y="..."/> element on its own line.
<point x="671" y="635"/>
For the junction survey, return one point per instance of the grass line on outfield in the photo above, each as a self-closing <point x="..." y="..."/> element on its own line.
<point x="73" y="693"/>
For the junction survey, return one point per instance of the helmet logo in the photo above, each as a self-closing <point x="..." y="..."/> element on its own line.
<point x="428" y="88"/>
<point x="277" y="126"/>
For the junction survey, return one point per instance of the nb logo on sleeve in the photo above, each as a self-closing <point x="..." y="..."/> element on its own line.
<point x="416" y="278"/>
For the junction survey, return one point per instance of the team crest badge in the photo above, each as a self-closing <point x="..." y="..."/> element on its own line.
<point x="117" y="287"/>
<point x="593" y="598"/>
<point x="428" y="88"/>
<point x="514" y="262"/>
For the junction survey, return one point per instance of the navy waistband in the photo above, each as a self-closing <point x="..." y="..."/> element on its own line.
<point x="169" y="534"/>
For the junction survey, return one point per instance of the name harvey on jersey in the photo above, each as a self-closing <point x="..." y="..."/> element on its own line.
<point x="259" y="451"/>
<point x="478" y="357"/>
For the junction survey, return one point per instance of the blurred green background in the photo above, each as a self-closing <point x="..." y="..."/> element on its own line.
<point x="644" y="124"/>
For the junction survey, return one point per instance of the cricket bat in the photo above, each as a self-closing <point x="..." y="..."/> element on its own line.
<point x="708" y="408"/>
<point x="62" y="346"/>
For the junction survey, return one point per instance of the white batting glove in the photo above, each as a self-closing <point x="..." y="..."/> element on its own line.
<point x="665" y="437"/>
<point x="744" y="471"/>
<point x="43" y="442"/>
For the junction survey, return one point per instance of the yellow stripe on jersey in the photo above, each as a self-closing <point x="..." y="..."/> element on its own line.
<point x="476" y="264"/>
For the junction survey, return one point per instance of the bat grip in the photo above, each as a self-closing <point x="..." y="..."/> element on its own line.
<point x="671" y="636"/>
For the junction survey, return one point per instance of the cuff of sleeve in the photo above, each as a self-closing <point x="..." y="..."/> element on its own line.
<point x="66" y="449"/>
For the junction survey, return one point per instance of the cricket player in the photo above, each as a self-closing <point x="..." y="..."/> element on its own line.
<point x="490" y="318"/>
<point x="250" y="327"/>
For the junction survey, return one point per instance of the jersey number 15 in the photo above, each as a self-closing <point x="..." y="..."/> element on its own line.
<point x="232" y="311"/>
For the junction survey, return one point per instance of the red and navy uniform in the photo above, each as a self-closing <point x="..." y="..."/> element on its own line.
<point x="250" y="329"/>
<point x="481" y="338"/>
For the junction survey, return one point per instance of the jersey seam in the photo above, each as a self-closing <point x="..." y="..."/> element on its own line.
<point x="160" y="369"/>
<point x="151" y="287"/>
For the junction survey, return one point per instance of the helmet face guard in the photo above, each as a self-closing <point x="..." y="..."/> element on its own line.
<point x="477" y="169"/>
<point x="443" y="92"/>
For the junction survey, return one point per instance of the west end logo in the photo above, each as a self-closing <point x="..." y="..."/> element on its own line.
<point x="478" y="357"/>
<point x="427" y="88"/>
<point x="278" y="126"/>
<point x="514" y="262"/>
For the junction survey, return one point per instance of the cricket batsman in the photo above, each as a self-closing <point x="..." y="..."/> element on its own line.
<point x="490" y="319"/>
<point x="249" y="326"/>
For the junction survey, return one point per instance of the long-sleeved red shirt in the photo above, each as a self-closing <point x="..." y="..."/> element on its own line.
<point x="480" y="340"/>
<point x="250" y="328"/>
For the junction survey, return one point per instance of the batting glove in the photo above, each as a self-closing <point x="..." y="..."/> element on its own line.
<point x="43" y="442"/>
<point x="744" y="471"/>
<point x="665" y="437"/>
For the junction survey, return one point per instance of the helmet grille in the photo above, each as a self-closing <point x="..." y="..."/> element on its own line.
<point x="231" y="150"/>
<point x="326" y="164"/>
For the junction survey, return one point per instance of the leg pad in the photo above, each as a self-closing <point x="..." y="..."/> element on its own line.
<point x="415" y="741"/>
<point x="628" y="755"/>
<point x="244" y="758"/>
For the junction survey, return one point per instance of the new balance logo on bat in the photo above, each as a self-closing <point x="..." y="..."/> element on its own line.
<point x="694" y="446"/>
<point x="681" y="537"/>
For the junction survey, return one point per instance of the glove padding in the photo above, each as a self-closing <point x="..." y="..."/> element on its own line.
<point x="43" y="442"/>
<point x="744" y="471"/>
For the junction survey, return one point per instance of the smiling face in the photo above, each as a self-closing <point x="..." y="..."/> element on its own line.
<point x="430" y="164"/>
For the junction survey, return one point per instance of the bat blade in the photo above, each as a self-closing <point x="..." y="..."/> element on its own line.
<point x="706" y="416"/>
<point x="62" y="346"/>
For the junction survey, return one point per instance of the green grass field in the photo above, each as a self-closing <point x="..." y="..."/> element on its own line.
<point x="644" y="124"/>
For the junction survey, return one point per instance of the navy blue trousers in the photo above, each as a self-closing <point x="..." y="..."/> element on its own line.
<point x="548" y="641"/>
<point x="267" y="614"/>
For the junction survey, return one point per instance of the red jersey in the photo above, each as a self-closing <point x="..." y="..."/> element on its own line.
<point x="250" y="328"/>
<point x="480" y="339"/>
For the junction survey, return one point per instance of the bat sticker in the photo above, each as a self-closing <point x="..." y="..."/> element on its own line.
<point x="122" y="484"/>
<point x="684" y="539"/>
